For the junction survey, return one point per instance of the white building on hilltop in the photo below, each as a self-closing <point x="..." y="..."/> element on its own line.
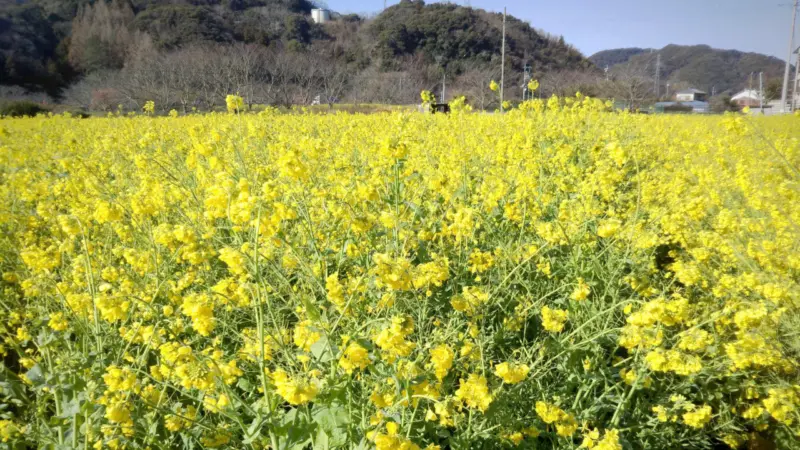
<point x="319" y="15"/>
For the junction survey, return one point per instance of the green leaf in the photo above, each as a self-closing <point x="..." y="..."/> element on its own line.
<point x="311" y="309"/>
<point x="333" y="420"/>
<point x="321" y="441"/>
<point x="44" y="338"/>
<point x="11" y="387"/>
<point x="294" y="432"/>
<point x="70" y="409"/>
<point x="244" y="385"/>
<point x="253" y="431"/>
<point x="36" y="376"/>
<point x="321" y="351"/>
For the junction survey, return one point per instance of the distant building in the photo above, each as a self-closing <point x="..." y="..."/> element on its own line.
<point x="691" y="95"/>
<point x="319" y="15"/>
<point x="796" y="90"/>
<point x="748" y="97"/>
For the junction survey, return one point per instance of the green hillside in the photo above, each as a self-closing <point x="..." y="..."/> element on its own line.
<point x="458" y="35"/>
<point x="698" y="66"/>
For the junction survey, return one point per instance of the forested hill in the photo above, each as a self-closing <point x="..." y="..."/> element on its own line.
<point x="610" y="58"/>
<point x="46" y="45"/>
<point x="457" y="34"/>
<point x="698" y="66"/>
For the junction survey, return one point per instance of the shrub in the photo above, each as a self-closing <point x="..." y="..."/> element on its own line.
<point x="678" y="108"/>
<point x="22" y="108"/>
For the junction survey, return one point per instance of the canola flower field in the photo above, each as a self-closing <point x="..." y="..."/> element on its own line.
<point x="555" y="277"/>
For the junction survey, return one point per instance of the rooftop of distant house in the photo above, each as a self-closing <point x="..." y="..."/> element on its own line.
<point x="692" y="91"/>
<point x="747" y="93"/>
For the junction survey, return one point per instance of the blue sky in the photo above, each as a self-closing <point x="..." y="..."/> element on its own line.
<point x="592" y="25"/>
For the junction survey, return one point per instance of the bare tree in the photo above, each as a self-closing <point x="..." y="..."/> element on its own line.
<point x="281" y="74"/>
<point x="333" y="80"/>
<point x="474" y="84"/>
<point x="186" y="76"/>
<point x="567" y="83"/>
<point x="632" y="84"/>
<point x="305" y="77"/>
<point x="96" y="91"/>
<point x="249" y="64"/>
<point x="374" y="86"/>
<point x="18" y="93"/>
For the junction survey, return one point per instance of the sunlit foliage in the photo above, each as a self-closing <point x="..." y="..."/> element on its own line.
<point x="554" y="277"/>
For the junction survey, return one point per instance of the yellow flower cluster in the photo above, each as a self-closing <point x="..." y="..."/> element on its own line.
<point x="354" y="357"/>
<point x="609" y="441"/>
<point x="392" y="441"/>
<point x="294" y="390"/>
<point x="553" y="320"/>
<point x="442" y="360"/>
<point x="512" y="373"/>
<point x="698" y="417"/>
<point x="474" y="392"/>
<point x="782" y="404"/>
<point x="565" y="423"/>
<point x="392" y="339"/>
<point x="234" y="103"/>
<point x="9" y="430"/>
<point x="402" y="280"/>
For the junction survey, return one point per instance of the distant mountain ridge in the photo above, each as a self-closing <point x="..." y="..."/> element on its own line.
<point x="698" y="66"/>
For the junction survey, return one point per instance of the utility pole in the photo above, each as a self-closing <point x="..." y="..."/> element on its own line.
<point x="761" y="90"/>
<point x="788" y="59"/>
<point x="444" y="80"/>
<point x="503" y="61"/>
<point x="658" y="66"/>
<point x="443" y="63"/>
